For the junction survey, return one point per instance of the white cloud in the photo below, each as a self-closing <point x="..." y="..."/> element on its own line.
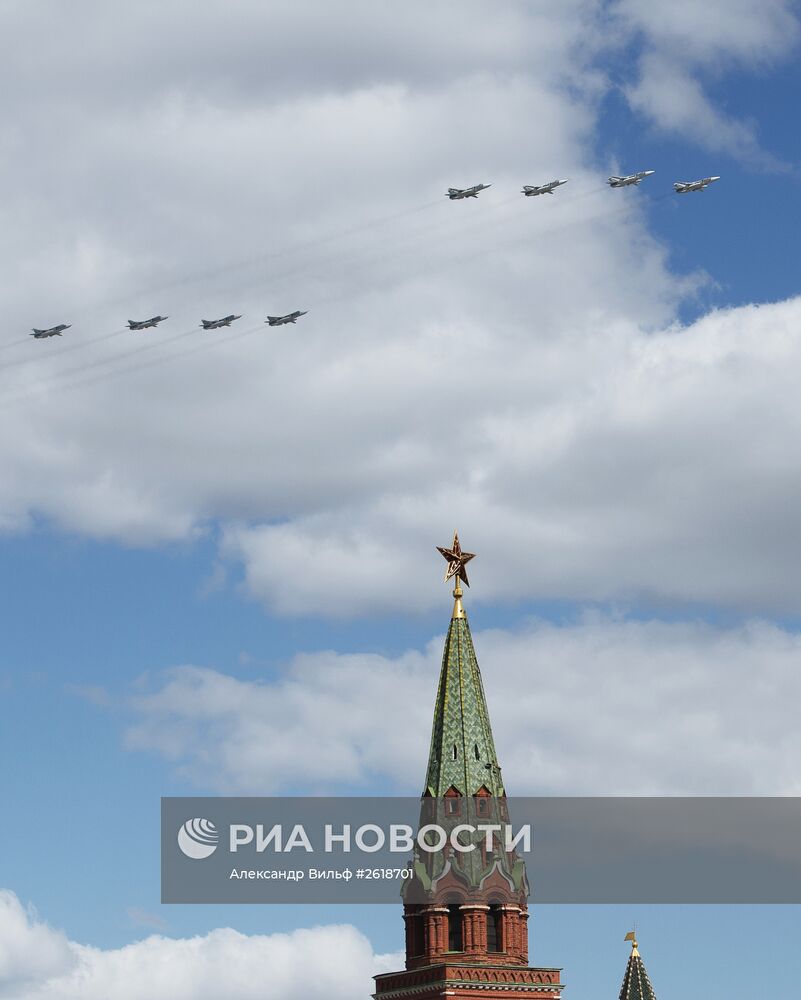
<point x="752" y="31"/>
<point x="216" y="204"/>
<point x="507" y="366"/>
<point x="655" y="467"/>
<point x="686" y="45"/>
<point x="30" y="951"/>
<point x="671" y="96"/>
<point x="602" y="706"/>
<point x="39" y="963"/>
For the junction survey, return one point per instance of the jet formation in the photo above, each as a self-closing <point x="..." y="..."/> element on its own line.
<point x="292" y="317"/>
<point x="145" y="324"/>
<point x="455" y="194"/>
<point x="682" y="187"/>
<point x="53" y="331"/>
<point x="531" y="190"/>
<point x="215" y="324"/>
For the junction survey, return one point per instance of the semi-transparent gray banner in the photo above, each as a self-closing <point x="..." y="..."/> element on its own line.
<point x="567" y="850"/>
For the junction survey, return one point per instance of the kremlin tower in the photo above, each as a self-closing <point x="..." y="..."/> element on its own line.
<point x="466" y="912"/>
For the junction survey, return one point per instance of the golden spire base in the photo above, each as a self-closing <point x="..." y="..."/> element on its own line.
<point x="458" y="610"/>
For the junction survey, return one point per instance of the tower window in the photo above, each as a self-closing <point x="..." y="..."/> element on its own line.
<point x="494" y="933"/>
<point x="416" y="938"/>
<point x="455" y="752"/>
<point x="476" y="751"/>
<point x="453" y="802"/>
<point x="482" y="797"/>
<point x="455" y="928"/>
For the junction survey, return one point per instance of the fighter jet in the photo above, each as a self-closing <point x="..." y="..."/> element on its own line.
<point x="145" y="324"/>
<point x="53" y="331"/>
<point x="619" y="182"/>
<point x="682" y="187"/>
<point x="215" y="324"/>
<point x="292" y="317"/>
<point x="530" y="190"/>
<point x="456" y="193"/>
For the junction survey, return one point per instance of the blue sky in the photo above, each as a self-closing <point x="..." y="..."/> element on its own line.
<point x="582" y="387"/>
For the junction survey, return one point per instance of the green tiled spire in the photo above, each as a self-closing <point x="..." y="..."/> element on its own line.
<point x="636" y="984"/>
<point x="463" y="784"/>
<point x="462" y="754"/>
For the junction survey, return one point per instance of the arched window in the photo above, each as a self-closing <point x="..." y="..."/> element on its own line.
<point x="455" y="752"/>
<point x="476" y="751"/>
<point x="455" y="927"/>
<point x="494" y="928"/>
